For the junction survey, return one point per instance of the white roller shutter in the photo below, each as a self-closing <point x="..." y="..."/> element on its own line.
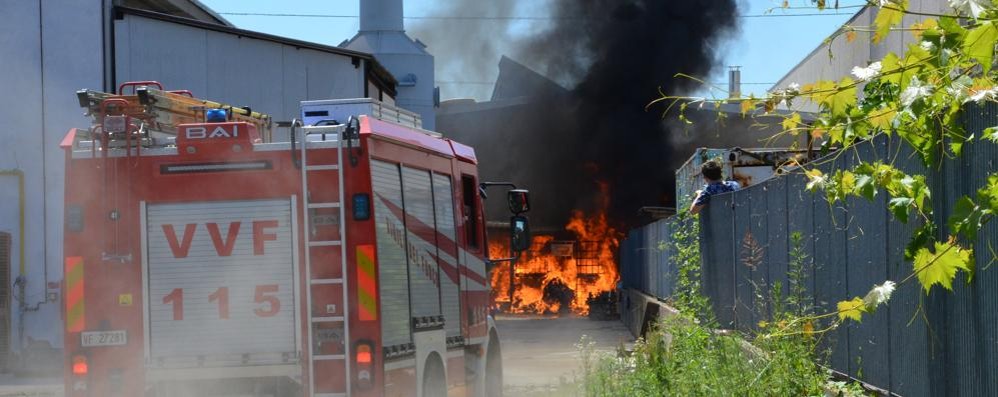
<point x="220" y="283"/>
<point x="393" y="276"/>
<point x="450" y="298"/>
<point x="424" y="274"/>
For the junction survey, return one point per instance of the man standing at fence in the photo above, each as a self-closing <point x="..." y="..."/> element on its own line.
<point x="711" y="172"/>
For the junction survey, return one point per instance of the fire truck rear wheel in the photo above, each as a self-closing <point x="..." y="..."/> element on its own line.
<point x="434" y="379"/>
<point x="493" y="368"/>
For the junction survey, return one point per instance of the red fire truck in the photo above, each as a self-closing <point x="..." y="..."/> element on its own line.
<point x="204" y="257"/>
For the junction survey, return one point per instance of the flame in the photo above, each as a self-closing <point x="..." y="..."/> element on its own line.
<point x="556" y="275"/>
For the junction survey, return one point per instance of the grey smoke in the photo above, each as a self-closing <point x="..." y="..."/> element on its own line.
<point x="613" y="57"/>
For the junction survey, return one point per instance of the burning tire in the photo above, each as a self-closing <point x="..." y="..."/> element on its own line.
<point x="556" y="292"/>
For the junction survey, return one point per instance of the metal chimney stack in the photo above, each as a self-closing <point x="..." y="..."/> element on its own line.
<point x="381" y="15"/>
<point x="734" y="82"/>
<point x="382" y="34"/>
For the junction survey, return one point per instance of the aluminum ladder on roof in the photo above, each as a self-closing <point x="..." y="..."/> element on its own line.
<point x="315" y="178"/>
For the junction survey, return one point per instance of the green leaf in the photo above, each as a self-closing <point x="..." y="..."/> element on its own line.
<point x="966" y="218"/>
<point x="815" y="179"/>
<point x="988" y="195"/>
<point x="919" y="240"/>
<point x="882" y="119"/>
<point x="848" y="183"/>
<point x="888" y="16"/>
<point x="991" y="134"/>
<point x="952" y="27"/>
<point x="980" y="44"/>
<point x="790" y="124"/>
<point x="890" y="70"/>
<point x="865" y="186"/>
<point x="852" y="309"/>
<point x="940" y="267"/>
<point x="747" y="105"/>
<point x="843" y="98"/>
<point x="900" y="206"/>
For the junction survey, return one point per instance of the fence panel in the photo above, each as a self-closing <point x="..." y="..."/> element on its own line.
<point x="778" y="251"/>
<point x="716" y="225"/>
<point x="942" y="343"/>
<point x="909" y="337"/>
<point x="743" y="305"/>
<point x="831" y="266"/>
<point x="866" y="258"/>
<point x="755" y="252"/>
<point x="984" y="159"/>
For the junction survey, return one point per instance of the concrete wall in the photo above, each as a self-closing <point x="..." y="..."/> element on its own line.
<point x="47" y="51"/>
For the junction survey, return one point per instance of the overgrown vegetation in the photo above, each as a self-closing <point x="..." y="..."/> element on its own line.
<point x="686" y="355"/>
<point x="915" y="99"/>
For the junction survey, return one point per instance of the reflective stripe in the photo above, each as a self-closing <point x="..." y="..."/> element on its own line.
<point x="75" y="320"/>
<point x="367" y="290"/>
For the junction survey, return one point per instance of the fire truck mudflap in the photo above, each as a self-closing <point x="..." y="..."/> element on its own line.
<point x="222" y="297"/>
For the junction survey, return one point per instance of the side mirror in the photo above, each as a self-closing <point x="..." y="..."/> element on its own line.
<point x="519" y="201"/>
<point x="519" y="228"/>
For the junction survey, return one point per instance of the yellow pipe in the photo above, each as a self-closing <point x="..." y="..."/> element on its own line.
<point x="20" y="211"/>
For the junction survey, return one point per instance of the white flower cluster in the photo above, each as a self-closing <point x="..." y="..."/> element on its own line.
<point x="879" y="295"/>
<point x="869" y="72"/>
<point x="915" y="91"/>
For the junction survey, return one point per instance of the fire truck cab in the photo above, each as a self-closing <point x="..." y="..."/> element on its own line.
<point x="205" y="258"/>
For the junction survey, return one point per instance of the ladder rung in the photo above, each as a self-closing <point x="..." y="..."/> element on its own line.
<point x="326" y="281"/>
<point x="325" y="243"/>
<point x="328" y="319"/>
<point x="324" y="167"/>
<point x="329" y="357"/>
<point x="323" y="205"/>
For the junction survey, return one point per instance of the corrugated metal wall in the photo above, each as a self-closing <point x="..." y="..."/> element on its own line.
<point x="268" y="76"/>
<point x="745" y="243"/>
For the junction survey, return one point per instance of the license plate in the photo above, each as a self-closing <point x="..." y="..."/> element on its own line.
<point x="104" y="338"/>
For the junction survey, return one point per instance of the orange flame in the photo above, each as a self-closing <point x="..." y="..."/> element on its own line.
<point x="555" y="275"/>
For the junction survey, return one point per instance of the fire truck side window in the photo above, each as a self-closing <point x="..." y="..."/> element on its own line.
<point x="468" y="193"/>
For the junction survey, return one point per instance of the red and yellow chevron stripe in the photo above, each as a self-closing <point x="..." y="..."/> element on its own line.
<point x="367" y="288"/>
<point x="75" y="320"/>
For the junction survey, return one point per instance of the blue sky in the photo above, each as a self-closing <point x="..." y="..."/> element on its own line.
<point x="766" y="48"/>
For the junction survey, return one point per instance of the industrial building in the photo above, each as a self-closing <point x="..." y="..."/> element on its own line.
<point x="49" y="50"/>
<point x="835" y="59"/>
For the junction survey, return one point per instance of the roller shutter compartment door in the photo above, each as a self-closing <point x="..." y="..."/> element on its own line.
<point x="220" y="283"/>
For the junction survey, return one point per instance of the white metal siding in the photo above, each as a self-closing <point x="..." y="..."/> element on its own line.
<point x="244" y="337"/>
<point x="269" y="77"/>
<point x="424" y="273"/>
<point x="450" y="298"/>
<point x="393" y="276"/>
<point x="48" y="50"/>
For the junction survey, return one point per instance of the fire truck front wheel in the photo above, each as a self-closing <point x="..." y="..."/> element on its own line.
<point x="493" y="368"/>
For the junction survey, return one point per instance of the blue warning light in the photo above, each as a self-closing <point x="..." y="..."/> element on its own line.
<point x="216" y="116"/>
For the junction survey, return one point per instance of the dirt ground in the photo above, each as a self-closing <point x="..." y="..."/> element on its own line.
<point x="540" y="354"/>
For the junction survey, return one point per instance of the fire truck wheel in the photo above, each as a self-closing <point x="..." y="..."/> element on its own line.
<point x="434" y="379"/>
<point x="493" y="368"/>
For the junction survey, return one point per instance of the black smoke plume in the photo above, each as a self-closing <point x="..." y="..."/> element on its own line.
<point x="614" y="56"/>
